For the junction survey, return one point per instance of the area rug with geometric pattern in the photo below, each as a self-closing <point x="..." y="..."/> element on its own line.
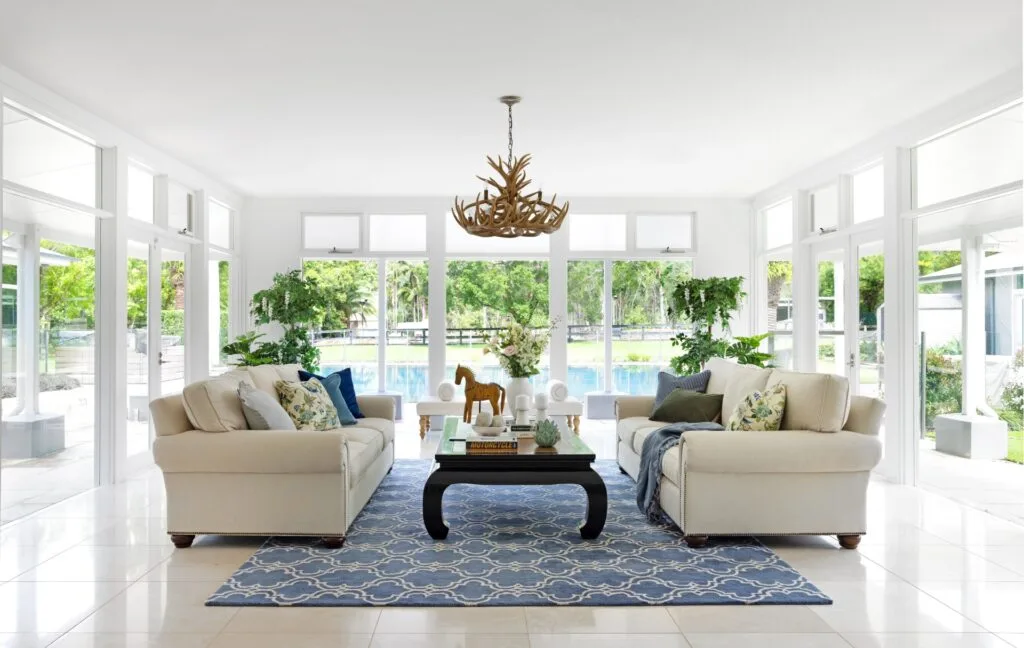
<point x="511" y="545"/>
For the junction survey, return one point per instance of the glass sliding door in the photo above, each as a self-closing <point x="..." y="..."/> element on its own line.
<point x="867" y="306"/>
<point x="585" y="327"/>
<point x="407" y="329"/>
<point x="830" y="316"/>
<point x="137" y="338"/>
<point x="172" y="321"/>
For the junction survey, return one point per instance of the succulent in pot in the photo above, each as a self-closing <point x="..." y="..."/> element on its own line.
<point x="547" y="434"/>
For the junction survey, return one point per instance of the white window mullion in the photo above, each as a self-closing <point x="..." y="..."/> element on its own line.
<point x="436" y="298"/>
<point x="382" y="324"/>
<point x="609" y="314"/>
<point x="558" y="304"/>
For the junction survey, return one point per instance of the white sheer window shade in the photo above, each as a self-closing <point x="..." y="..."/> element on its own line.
<point x="220" y="224"/>
<point x="825" y="208"/>
<point x="330" y="232"/>
<point x="179" y="207"/>
<point x="868" y="194"/>
<point x="140" y="194"/>
<point x="398" y="232"/>
<point x="661" y="231"/>
<point x="778" y="220"/>
<point x="597" y="232"/>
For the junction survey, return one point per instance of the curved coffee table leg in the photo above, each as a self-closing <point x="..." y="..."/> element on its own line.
<point x="433" y="494"/>
<point x="597" y="505"/>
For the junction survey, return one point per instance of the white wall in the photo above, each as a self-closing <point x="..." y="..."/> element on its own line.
<point x="271" y="239"/>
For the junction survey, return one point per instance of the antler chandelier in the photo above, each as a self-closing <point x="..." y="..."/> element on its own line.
<point x="509" y="212"/>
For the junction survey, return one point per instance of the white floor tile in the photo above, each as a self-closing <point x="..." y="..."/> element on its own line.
<point x="26" y="640"/>
<point x="771" y="640"/>
<point x="51" y="607"/>
<point x="451" y="621"/>
<point x="911" y="640"/>
<point x="998" y="607"/>
<point x="599" y="620"/>
<point x="745" y="619"/>
<point x="887" y="606"/>
<point x="459" y="641"/>
<point x="606" y="641"/>
<point x="156" y="608"/>
<point x="133" y="640"/>
<point x="89" y="564"/>
<point x="293" y="640"/>
<point x="305" y="620"/>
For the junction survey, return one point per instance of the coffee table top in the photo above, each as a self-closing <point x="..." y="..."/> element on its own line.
<point x="452" y="447"/>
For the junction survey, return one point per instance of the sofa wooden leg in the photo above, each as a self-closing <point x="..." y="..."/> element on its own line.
<point x="576" y="425"/>
<point x="849" y="541"/>
<point x="695" y="541"/>
<point x="424" y="426"/>
<point x="334" y="542"/>
<point x="182" y="541"/>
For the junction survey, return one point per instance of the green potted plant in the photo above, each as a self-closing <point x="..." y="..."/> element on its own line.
<point x="709" y="304"/>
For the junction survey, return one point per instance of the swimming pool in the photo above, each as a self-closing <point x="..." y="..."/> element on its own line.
<point x="411" y="379"/>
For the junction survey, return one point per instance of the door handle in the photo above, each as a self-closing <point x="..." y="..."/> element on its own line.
<point x="852" y="362"/>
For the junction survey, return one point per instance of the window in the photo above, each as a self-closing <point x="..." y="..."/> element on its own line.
<point x="664" y="231"/>
<point x="642" y="327"/>
<point x="830" y="319"/>
<point x="330" y="231"/>
<point x="179" y="207"/>
<point x="484" y="296"/>
<point x="780" y="312"/>
<point x="44" y="157"/>
<point x="220" y="311"/>
<point x="220" y="224"/>
<point x="407" y="329"/>
<point x="778" y="221"/>
<point x="597" y="232"/>
<point x="398" y="233"/>
<point x="348" y="332"/>
<point x="140" y="193"/>
<point x="585" y="327"/>
<point x="825" y="208"/>
<point x="868" y="188"/>
<point x="459" y="241"/>
<point x="979" y="156"/>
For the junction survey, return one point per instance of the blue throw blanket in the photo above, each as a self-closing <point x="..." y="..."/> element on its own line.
<point x="648" y="480"/>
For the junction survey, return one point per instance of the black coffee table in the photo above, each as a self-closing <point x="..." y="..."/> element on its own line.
<point x="569" y="462"/>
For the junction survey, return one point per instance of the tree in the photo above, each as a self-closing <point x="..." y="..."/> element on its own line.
<point x="68" y="293"/>
<point x="346" y="289"/>
<point x="513" y="290"/>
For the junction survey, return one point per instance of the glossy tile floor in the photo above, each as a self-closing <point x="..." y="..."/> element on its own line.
<point x="97" y="570"/>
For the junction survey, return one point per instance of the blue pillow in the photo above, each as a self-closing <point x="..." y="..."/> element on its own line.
<point x="345" y="386"/>
<point x="332" y="384"/>
<point x="667" y="383"/>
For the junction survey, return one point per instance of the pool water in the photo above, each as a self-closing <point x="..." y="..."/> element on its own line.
<point x="411" y="379"/>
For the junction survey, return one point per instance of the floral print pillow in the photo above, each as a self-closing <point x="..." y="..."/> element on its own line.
<point x="308" y="404"/>
<point x="760" y="411"/>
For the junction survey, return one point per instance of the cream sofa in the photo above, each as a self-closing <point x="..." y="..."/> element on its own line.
<point x="222" y="478"/>
<point x="810" y="477"/>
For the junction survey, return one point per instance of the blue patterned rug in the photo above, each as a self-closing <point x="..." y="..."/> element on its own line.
<point x="511" y="545"/>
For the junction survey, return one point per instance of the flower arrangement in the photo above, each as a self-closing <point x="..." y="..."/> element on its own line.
<point x="518" y="349"/>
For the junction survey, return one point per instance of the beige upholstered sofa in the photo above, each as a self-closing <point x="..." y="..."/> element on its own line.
<point x="222" y="478"/>
<point x="810" y="477"/>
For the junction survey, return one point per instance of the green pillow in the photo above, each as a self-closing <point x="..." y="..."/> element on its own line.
<point x="760" y="411"/>
<point x="685" y="406"/>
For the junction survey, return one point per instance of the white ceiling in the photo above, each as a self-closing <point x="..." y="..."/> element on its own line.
<point x="707" y="97"/>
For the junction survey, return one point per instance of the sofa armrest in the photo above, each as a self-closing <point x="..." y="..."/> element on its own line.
<point x="251" y="451"/>
<point x="382" y="407"/>
<point x="865" y="415"/>
<point x="782" y="451"/>
<point x="633" y="406"/>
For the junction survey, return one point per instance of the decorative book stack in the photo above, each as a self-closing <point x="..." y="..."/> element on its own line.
<point x="502" y="444"/>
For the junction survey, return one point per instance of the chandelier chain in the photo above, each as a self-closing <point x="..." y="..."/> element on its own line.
<point x="510" y="134"/>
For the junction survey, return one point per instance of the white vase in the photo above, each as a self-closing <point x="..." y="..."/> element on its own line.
<point x="515" y="387"/>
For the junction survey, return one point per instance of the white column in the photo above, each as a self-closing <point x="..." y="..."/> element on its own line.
<point x="436" y="294"/>
<point x="972" y="280"/>
<point x="900" y="436"/>
<point x="111" y="354"/>
<point x="197" y="300"/>
<point x="609" y="315"/>
<point x="805" y="288"/>
<point x="382" y="324"/>
<point x="28" y="323"/>
<point x="558" y="303"/>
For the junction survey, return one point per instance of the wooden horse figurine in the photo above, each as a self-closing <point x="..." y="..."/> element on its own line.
<point x="479" y="392"/>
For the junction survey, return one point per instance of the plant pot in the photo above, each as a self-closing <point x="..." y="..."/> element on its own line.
<point x="515" y="387"/>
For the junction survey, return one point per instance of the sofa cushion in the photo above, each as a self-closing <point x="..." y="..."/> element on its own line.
<point x="760" y="411"/>
<point x="743" y="381"/>
<point x="213" y="405"/>
<point x="360" y="456"/>
<point x="251" y="451"/>
<point x="308" y="404"/>
<point x="785" y="451"/>
<point x="332" y="384"/>
<point x="365" y="435"/>
<point x="262" y="411"/>
<point x="684" y="406"/>
<point x="814" y="401"/>
<point x="385" y="427"/>
<point x="667" y="383"/>
<point x="627" y="428"/>
<point x="670" y="465"/>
